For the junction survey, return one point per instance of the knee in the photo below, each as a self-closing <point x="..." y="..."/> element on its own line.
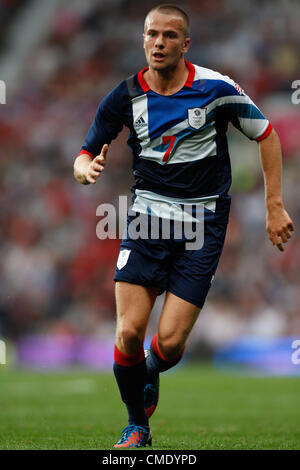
<point x="129" y="339"/>
<point x="171" y="347"/>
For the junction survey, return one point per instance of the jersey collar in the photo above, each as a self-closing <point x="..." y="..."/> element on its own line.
<point x="189" y="81"/>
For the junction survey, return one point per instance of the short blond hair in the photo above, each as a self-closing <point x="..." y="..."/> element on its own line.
<point x="169" y="8"/>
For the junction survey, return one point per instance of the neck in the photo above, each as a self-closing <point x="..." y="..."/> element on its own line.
<point x="168" y="81"/>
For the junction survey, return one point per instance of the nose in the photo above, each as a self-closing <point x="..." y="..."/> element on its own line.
<point x="159" y="43"/>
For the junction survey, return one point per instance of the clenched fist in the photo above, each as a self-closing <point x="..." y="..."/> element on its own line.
<point x="279" y="227"/>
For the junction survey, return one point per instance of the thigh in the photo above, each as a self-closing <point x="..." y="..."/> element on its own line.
<point x="177" y="319"/>
<point x="134" y="304"/>
<point x="192" y="271"/>
<point x="190" y="278"/>
<point x="137" y="266"/>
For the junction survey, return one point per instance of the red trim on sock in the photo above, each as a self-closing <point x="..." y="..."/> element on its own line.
<point x="158" y="352"/>
<point x="155" y="347"/>
<point x="128" y="360"/>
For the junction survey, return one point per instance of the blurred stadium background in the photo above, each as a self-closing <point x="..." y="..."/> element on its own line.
<point x="58" y="59"/>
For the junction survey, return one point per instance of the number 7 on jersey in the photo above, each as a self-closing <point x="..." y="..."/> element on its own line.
<point x="168" y="139"/>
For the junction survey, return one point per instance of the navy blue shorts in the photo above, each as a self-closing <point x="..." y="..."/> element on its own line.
<point x="169" y="266"/>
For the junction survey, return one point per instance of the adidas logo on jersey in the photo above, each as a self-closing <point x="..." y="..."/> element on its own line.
<point x="140" y="123"/>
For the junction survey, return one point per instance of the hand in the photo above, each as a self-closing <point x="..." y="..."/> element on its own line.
<point x="96" y="167"/>
<point x="279" y="227"/>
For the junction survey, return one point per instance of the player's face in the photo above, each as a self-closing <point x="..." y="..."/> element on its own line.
<point x="164" y="40"/>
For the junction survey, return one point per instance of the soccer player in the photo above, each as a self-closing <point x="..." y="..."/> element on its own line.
<point x="177" y="114"/>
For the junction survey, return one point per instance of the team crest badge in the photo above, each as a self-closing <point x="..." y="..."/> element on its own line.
<point x="123" y="258"/>
<point x="197" y="117"/>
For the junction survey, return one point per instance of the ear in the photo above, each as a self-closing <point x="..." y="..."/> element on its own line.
<point x="186" y="45"/>
<point x="144" y="37"/>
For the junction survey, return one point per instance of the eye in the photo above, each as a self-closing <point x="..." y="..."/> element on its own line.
<point x="172" y="35"/>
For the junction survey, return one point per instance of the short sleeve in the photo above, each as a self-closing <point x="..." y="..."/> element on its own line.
<point x="243" y="113"/>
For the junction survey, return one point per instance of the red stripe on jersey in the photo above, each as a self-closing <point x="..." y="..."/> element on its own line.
<point x="128" y="360"/>
<point x="142" y="81"/>
<point x="191" y="75"/>
<point x="82" y="152"/>
<point x="265" y="134"/>
<point x="188" y="83"/>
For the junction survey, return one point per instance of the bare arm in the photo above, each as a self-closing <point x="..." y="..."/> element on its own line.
<point x="279" y="224"/>
<point x="87" y="170"/>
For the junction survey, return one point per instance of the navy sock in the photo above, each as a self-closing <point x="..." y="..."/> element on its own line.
<point x="130" y="378"/>
<point x="156" y="363"/>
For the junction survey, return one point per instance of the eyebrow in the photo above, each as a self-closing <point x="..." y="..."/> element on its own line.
<point x="152" y="30"/>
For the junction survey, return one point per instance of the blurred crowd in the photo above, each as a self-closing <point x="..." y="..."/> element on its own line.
<point x="56" y="276"/>
<point x="8" y="10"/>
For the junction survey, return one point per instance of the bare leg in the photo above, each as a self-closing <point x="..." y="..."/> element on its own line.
<point x="177" y="319"/>
<point x="134" y="305"/>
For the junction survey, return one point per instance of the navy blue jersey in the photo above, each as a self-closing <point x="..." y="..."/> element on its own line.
<point x="178" y="142"/>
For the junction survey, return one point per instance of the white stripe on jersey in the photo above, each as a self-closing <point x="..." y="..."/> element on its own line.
<point x="253" y="127"/>
<point x="197" y="146"/>
<point x="202" y="73"/>
<point x="164" y="207"/>
<point x="200" y="144"/>
<point x="140" y="110"/>
<point x="192" y="148"/>
<point x="229" y="100"/>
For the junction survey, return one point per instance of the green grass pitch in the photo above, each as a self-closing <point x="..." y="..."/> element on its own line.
<point x="199" y="408"/>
